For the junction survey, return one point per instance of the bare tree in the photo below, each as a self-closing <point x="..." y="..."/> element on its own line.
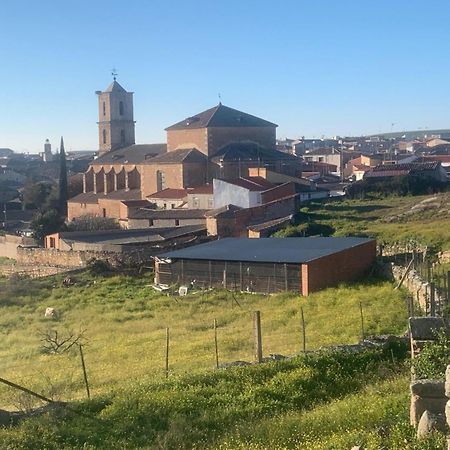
<point x="53" y="341"/>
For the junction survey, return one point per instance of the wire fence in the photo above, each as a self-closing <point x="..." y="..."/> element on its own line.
<point x="95" y="368"/>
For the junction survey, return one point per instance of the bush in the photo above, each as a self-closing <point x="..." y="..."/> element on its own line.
<point x="45" y="223"/>
<point x="90" y="222"/>
<point x="433" y="358"/>
<point x="306" y="229"/>
<point x="401" y="185"/>
<point x="99" y="267"/>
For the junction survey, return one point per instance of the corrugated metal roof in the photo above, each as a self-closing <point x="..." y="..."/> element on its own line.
<point x="271" y="250"/>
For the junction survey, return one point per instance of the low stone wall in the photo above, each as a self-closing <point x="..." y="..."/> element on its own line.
<point x="419" y="288"/>
<point x="66" y="259"/>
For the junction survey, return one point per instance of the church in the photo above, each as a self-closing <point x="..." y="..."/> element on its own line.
<point x="221" y="143"/>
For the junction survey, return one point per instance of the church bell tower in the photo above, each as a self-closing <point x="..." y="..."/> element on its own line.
<point x="115" y="118"/>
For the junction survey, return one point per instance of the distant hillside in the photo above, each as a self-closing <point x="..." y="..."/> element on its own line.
<point x="414" y="134"/>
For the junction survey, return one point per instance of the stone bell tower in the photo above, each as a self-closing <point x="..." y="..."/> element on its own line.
<point x="115" y="118"/>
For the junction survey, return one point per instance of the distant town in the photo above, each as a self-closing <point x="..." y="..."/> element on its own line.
<point x="222" y="173"/>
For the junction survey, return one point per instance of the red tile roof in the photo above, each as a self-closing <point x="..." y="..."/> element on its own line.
<point x="170" y="193"/>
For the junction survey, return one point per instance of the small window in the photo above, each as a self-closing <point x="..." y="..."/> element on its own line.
<point x="121" y="108"/>
<point x="104" y="212"/>
<point x="173" y="205"/>
<point x="210" y="202"/>
<point x="122" y="136"/>
<point x="52" y="242"/>
<point x="150" y="222"/>
<point x="177" y="222"/>
<point x="104" y="108"/>
<point x="196" y="202"/>
<point x="104" y="136"/>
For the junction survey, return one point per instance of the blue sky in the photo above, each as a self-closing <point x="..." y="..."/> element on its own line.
<point x="315" y="68"/>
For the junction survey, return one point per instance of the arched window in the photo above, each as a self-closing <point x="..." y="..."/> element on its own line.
<point x="104" y="136"/>
<point x="122" y="136"/>
<point x="104" y="108"/>
<point x="121" y="108"/>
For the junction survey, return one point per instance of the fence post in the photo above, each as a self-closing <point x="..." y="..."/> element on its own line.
<point x="167" y="352"/>
<point x="83" y="366"/>
<point x="215" y="343"/>
<point x="362" y="320"/>
<point x="258" y="337"/>
<point x="432" y="300"/>
<point x="410" y="304"/>
<point x="448" y="286"/>
<point x="303" y="331"/>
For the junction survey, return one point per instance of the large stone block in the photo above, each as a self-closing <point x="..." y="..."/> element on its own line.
<point x="419" y="405"/>
<point x="430" y="422"/>
<point x="428" y="388"/>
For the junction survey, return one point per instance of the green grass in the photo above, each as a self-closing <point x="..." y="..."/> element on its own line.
<point x="236" y="408"/>
<point x="5" y="260"/>
<point x="382" y="219"/>
<point x="125" y="322"/>
<point x="376" y="416"/>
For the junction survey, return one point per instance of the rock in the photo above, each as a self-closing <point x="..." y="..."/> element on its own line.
<point x="357" y="447"/>
<point x="428" y="388"/>
<point x="430" y="422"/>
<point x="50" y="313"/>
<point x="419" y="405"/>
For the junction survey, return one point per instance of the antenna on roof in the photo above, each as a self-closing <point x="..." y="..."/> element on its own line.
<point x="114" y="73"/>
<point x="220" y="98"/>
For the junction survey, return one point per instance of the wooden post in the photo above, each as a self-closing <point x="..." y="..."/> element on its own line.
<point x="167" y="352"/>
<point x="215" y="344"/>
<point x="83" y="366"/>
<point x="303" y="331"/>
<point x="410" y="304"/>
<point x="362" y="320"/>
<point x="258" y="337"/>
<point x="448" y="286"/>
<point x="225" y="276"/>
<point x="241" y="283"/>
<point x="285" y="278"/>
<point x="432" y="300"/>
<point x="210" y="274"/>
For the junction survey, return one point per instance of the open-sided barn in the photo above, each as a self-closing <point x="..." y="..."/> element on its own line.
<point x="268" y="264"/>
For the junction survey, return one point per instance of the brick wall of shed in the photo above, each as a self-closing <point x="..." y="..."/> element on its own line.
<point x="339" y="267"/>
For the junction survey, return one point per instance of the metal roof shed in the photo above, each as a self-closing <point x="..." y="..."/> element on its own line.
<point x="269" y="264"/>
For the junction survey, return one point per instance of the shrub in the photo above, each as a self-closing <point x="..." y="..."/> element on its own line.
<point x="98" y="267"/>
<point x="433" y="358"/>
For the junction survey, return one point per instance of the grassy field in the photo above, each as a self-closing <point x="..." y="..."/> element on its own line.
<point x="125" y="324"/>
<point x="423" y="219"/>
<point x="375" y="417"/>
<point x="329" y="400"/>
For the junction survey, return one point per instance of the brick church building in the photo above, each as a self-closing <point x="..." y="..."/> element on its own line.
<point x="220" y="142"/>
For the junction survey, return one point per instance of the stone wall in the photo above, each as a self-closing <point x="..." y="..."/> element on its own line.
<point x="9" y="244"/>
<point x="426" y="395"/>
<point x="419" y="288"/>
